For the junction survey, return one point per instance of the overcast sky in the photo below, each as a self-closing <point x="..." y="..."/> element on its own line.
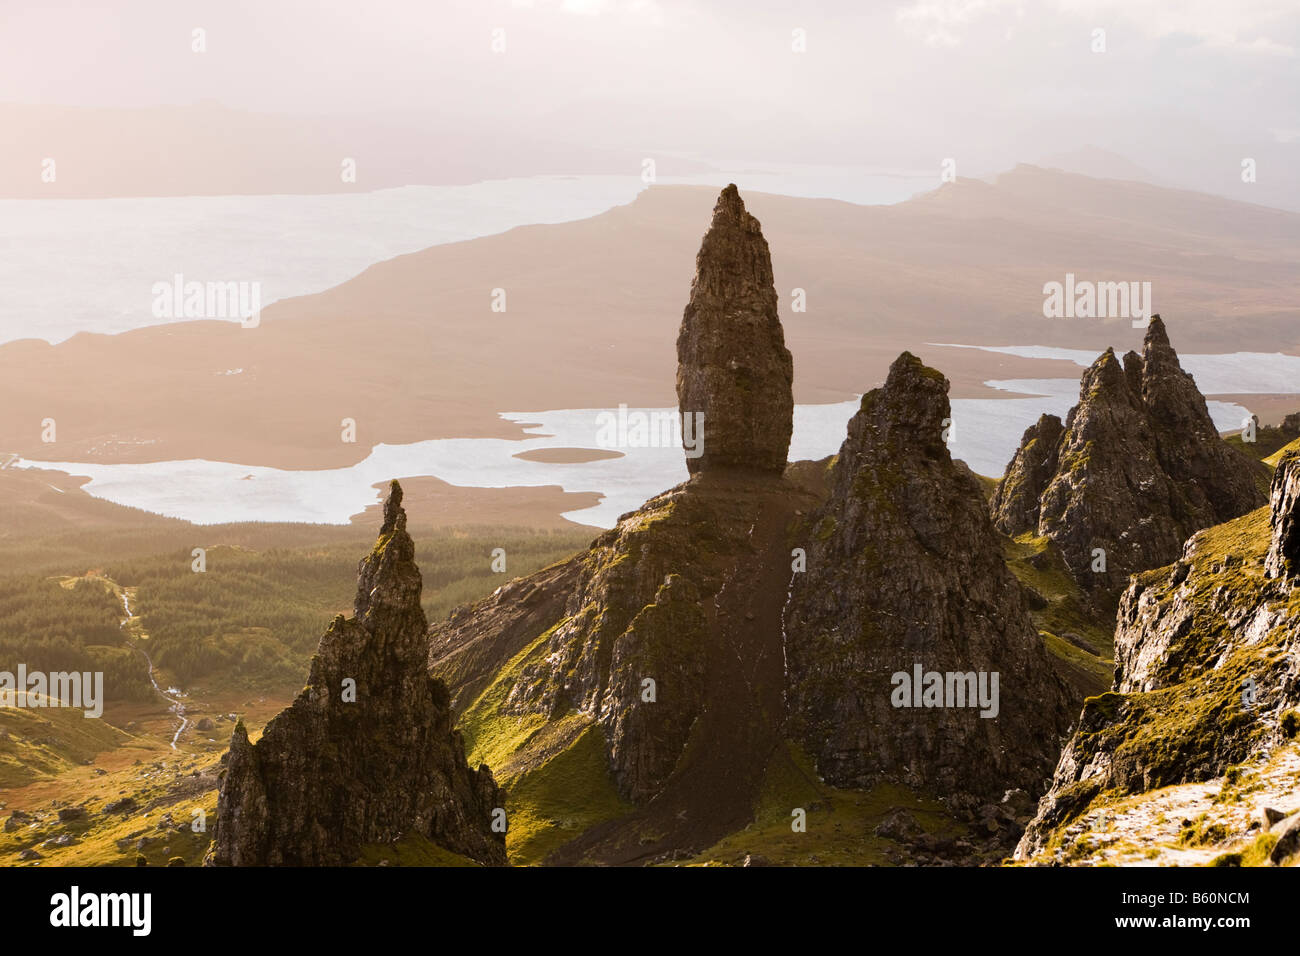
<point x="990" y="81"/>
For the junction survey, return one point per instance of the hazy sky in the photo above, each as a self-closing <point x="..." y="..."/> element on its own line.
<point x="991" y="81"/>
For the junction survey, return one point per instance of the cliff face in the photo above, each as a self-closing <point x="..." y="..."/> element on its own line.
<point x="1283" y="561"/>
<point x="732" y="363"/>
<point x="1207" y="655"/>
<point x="905" y="572"/>
<point x="366" y="753"/>
<point x="1137" y="468"/>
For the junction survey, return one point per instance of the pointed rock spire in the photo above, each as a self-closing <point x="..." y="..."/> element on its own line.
<point x="1015" y="504"/>
<point x="734" y="374"/>
<point x="366" y="754"/>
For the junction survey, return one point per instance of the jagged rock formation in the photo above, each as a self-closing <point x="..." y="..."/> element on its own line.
<point x="1207" y="655"/>
<point x="904" y="570"/>
<point x="1290" y="427"/>
<point x="1283" y="559"/>
<point x="338" y="770"/>
<point x="670" y="634"/>
<point x="1137" y="468"/>
<point x="732" y="363"/>
<point x="1015" y="503"/>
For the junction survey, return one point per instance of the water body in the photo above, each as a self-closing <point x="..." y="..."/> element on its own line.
<point x="986" y="433"/>
<point x="89" y="265"/>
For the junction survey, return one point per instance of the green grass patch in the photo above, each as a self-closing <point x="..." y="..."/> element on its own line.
<point x="412" y="850"/>
<point x="552" y="804"/>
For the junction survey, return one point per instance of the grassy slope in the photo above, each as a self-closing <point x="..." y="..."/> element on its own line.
<point x="38" y="744"/>
<point x="840" y="824"/>
<point x="1276" y="457"/>
<point x="1037" y="564"/>
<point x="1163" y="730"/>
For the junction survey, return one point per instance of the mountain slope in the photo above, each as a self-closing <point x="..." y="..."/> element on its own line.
<point x="1206" y="673"/>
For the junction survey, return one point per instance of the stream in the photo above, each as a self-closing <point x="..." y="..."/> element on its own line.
<point x="176" y="706"/>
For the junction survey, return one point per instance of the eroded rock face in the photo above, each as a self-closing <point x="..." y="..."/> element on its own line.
<point x="1207" y="659"/>
<point x="733" y="366"/>
<point x="331" y="774"/>
<point x="1138" y="467"/>
<point x="1284" y="550"/>
<point x="904" y="569"/>
<point x="1015" y="504"/>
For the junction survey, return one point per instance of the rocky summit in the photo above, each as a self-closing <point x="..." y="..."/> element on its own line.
<point x="366" y="754"/>
<point x="905" y="576"/>
<point x="1207" y="671"/>
<point x="1137" y="467"/>
<point x="734" y="373"/>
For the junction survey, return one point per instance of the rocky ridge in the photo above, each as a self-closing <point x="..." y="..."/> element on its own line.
<point x="671" y="634"/>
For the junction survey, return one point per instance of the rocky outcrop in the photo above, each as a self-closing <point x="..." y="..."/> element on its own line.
<point x="732" y="364"/>
<point x="1207" y="665"/>
<point x="366" y="753"/>
<point x="1283" y="559"/>
<point x="1290" y="427"/>
<point x="1139" y="467"/>
<point x="905" y="576"/>
<point x="1015" y="502"/>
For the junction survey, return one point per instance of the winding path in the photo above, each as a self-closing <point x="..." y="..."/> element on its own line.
<point x="174" y="704"/>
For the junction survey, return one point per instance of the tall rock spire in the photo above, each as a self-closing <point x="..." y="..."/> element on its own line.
<point x="366" y="754"/>
<point x="732" y="364"/>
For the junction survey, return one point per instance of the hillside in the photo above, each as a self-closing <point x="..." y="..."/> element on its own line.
<point x="1202" y="715"/>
